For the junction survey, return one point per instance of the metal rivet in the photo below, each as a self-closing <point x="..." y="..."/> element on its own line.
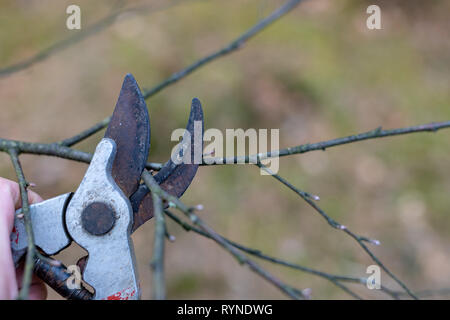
<point x="98" y="218"/>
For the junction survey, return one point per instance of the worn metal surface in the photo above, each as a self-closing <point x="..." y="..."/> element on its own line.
<point x="57" y="278"/>
<point x="130" y="130"/>
<point x="111" y="267"/>
<point x="173" y="178"/>
<point x="47" y="220"/>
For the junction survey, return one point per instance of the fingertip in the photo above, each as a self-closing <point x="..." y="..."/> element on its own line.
<point x="10" y="188"/>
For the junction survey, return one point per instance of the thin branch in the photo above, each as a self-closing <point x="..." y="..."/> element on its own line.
<point x="48" y="149"/>
<point x="79" y="36"/>
<point x="85" y="134"/>
<point x="428" y="293"/>
<point x="361" y="240"/>
<point x="241" y="258"/>
<point x="157" y="264"/>
<point x="54" y="150"/>
<point x="231" y="47"/>
<point x="257" y="253"/>
<point x="30" y="257"/>
<point x="335" y="279"/>
<point x="62" y="151"/>
<point x="304" y="148"/>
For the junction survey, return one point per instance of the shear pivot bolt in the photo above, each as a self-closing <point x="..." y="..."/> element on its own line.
<point x="97" y="218"/>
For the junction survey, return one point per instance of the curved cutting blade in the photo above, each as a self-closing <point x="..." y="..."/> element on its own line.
<point x="130" y="130"/>
<point x="173" y="178"/>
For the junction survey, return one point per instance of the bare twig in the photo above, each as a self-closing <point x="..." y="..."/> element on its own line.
<point x="428" y="293"/>
<point x="85" y="134"/>
<point x="157" y="264"/>
<point x="62" y="151"/>
<point x="79" y="36"/>
<point x="361" y="240"/>
<point x="241" y="258"/>
<point x="232" y="46"/>
<point x="30" y="258"/>
<point x="335" y="279"/>
<point x="54" y="150"/>
<point x="323" y="145"/>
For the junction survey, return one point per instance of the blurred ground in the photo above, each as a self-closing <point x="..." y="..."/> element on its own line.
<point x="317" y="74"/>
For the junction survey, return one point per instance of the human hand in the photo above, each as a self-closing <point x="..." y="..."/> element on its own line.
<point x="10" y="278"/>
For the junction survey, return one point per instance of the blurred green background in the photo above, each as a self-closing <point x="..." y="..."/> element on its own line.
<point x="316" y="74"/>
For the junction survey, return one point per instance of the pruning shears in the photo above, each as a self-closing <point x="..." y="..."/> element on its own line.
<point x="108" y="206"/>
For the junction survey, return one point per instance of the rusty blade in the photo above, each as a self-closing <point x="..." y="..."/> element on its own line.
<point x="130" y="129"/>
<point x="173" y="178"/>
